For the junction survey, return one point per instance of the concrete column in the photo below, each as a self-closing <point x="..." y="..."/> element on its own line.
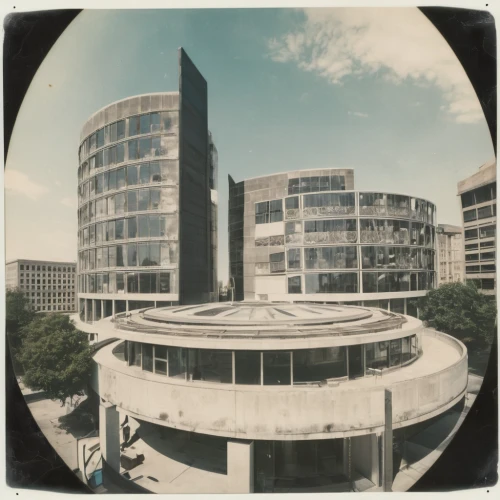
<point x="103" y="312"/>
<point x="85" y="310"/>
<point x="109" y="434"/>
<point x="113" y="312"/>
<point x="386" y="443"/>
<point x="240" y="466"/>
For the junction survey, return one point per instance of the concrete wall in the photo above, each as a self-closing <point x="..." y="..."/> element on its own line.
<point x="278" y="412"/>
<point x="365" y="456"/>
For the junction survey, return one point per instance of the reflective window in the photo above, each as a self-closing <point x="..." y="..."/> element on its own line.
<point x="177" y="362"/>
<point x="132" y="227"/>
<point x="331" y="258"/>
<point x="332" y="283"/>
<point x="143" y="203"/>
<point x="470" y="234"/>
<point x="132" y="201"/>
<point x="377" y="355"/>
<point x="132" y="254"/>
<point x="389" y="231"/>
<point x="147" y="357"/>
<point x="132" y="177"/>
<point x="487" y="231"/>
<point x="269" y="211"/>
<point x="294" y="258"/>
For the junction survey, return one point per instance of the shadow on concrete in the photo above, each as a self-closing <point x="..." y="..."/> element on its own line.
<point x="82" y="421"/>
<point x="177" y="446"/>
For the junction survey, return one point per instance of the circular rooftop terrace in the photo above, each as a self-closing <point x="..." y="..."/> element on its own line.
<point x="248" y="319"/>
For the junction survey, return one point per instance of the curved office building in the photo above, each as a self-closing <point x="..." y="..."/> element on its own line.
<point x="308" y="236"/>
<point x="242" y="397"/>
<point x="147" y="204"/>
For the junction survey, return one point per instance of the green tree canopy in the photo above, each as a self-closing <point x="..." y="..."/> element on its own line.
<point x="18" y="313"/>
<point x="460" y="310"/>
<point x="56" y="357"/>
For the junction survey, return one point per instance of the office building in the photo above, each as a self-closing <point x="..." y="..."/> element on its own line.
<point x="450" y="247"/>
<point x="147" y="201"/>
<point x="307" y="236"/>
<point x="50" y="286"/>
<point x="270" y="397"/>
<point x="478" y="194"/>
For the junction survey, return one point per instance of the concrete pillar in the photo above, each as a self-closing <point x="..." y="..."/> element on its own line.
<point x="103" y="312"/>
<point x="86" y="319"/>
<point x="240" y="466"/>
<point x="386" y="443"/>
<point x="109" y="434"/>
<point x="113" y="312"/>
<point x="365" y="456"/>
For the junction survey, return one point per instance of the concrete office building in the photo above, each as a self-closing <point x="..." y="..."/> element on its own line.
<point x="50" y="286"/>
<point x="478" y="194"/>
<point x="269" y="397"/>
<point x="450" y="245"/>
<point x="147" y="201"/>
<point x="307" y="236"/>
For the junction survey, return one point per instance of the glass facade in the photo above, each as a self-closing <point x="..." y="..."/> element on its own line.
<point x="128" y="204"/>
<point x="297" y="367"/>
<point x="372" y="242"/>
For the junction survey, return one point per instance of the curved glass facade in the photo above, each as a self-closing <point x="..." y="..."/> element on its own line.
<point x="128" y="202"/>
<point x="345" y="242"/>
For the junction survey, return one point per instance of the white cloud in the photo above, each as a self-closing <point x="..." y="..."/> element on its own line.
<point x="69" y="201"/>
<point x="358" y="114"/>
<point x="400" y="44"/>
<point x="20" y="183"/>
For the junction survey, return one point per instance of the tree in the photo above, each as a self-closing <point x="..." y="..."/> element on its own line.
<point x="462" y="311"/>
<point x="56" y="357"/>
<point x="18" y="313"/>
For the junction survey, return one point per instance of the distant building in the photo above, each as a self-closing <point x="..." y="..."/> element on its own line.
<point x="147" y="202"/>
<point x="478" y="194"/>
<point x="50" y="286"/>
<point x="450" y="244"/>
<point x="308" y="236"/>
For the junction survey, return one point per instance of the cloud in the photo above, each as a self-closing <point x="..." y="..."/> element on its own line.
<point x="70" y="202"/>
<point x="20" y="183"/>
<point x="400" y="45"/>
<point x="358" y="114"/>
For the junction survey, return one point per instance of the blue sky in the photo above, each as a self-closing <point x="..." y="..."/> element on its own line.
<point x="376" y="90"/>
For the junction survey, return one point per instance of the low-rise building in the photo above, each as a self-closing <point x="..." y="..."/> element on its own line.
<point x="50" y="286"/>
<point x="269" y="397"/>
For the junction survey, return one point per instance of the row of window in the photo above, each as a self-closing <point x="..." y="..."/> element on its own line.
<point x="130" y="282"/>
<point x="324" y="204"/>
<point x="480" y="232"/>
<point x="346" y="257"/>
<point x="45" y="282"/>
<point x="46" y="275"/>
<point x="65" y="307"/>
<point x="485" y="283"/>
<point x="147" y="123"/>
<point x="50" y="294"/>
<point x="480" y="256"/>
<point x="59" y="269"/>
<point x="136" y="200"/>
<point x="140" y="226"/>
<point x="400" y="232"/>
<point x="481" y="245"/>
<point x="479" y="195"/>
<point x="487" y="268"/>
<point x="480" y="213"/>
<point x="296" y="367"/>
<point x="132" y="175"/>
<point x="147" y="254"/>
<point x="317" y="183"/>
<point x="373" y="282"/>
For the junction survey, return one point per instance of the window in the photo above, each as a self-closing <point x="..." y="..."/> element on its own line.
<point x="160" y="356"/>
<point x="294" y="284"/>
<point x="471" y="246"/>
<point x="486" y="244"/>
<point x="485" y="212"/>
<point x="277" y="368"/>
<point x="470" y="234"/>
<point x="470" y="215"/>
<point x="471" y="257"/>
<point x="277" y="261"/>
<point x="268" y="211"/>
<point x="247" y="367"/>
<point x="294" y="258"/>
<point x="315" y="365"/>
<point x="132" y="177"/>
<point x="332" y="283"/>
<point x="488" y="256"/>
<point x="133" y="126"/>
<point x="211" y="365"/>
<point x="292" y="203"/>
<point x="487" y="231"/>
<point x="330" y="258"/>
